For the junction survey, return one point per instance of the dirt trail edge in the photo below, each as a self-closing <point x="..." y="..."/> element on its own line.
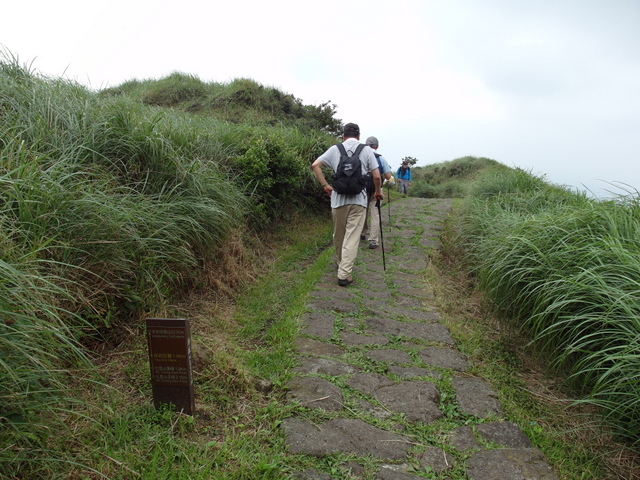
<point x="380" y="391"/>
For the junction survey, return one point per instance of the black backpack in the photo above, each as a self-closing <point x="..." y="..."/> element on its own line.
<point x="348" y="179"/>
<point x="371" y="187"/>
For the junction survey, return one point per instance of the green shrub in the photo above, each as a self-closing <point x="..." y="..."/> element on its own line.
<point x="276" y="174"/>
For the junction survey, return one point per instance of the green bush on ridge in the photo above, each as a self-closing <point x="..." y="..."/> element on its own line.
<point x="450" y="179"/>
<point x="242" y="101"/>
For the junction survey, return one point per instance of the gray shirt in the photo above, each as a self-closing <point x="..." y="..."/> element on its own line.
<point x="331" y="159"/>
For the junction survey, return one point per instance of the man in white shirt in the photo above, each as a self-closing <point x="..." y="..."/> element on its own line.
<point x="348" y="211"/>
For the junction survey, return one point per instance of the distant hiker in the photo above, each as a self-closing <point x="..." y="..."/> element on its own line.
<point x="373" y="219"/>
<point x="348" y="210"/>
<point x="404" y="178"/>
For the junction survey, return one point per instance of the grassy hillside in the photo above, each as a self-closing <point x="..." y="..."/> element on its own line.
<point x="115" y="203"/>
<point x="450" y="179"/>
<point x="242" y="101"/>
<point x="560" y="266"/>
<point x="564" y="268"/>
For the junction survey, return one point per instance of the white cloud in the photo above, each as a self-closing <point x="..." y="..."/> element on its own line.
<point x="549" y="86"/>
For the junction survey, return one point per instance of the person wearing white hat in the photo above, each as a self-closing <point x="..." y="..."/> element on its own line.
<point x="373" y="219"/>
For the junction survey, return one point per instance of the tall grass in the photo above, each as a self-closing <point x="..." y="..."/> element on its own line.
<point x="108" y="208"/>
<point x="566" y="268"/>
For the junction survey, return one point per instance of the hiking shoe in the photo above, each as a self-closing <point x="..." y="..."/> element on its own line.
<point x="373" y="244"/>
<point x="343" y="282"/>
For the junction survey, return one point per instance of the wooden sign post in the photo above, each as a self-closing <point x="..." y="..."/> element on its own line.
<point x="169" y="341"/>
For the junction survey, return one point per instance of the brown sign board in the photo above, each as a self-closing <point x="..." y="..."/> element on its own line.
<point x="169" y="341"/>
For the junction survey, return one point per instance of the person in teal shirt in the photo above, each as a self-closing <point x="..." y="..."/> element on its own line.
<point x="404" y="178"/>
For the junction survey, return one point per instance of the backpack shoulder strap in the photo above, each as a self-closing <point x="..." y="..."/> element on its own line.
<point x="356" y="153"/>
<point x="359" y="149"/>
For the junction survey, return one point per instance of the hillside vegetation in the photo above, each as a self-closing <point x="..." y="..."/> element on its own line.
<point x="564" y="268"/>
<point x="120" y="204"/>
<point x="559" y="265"/>
<point x="451" y="179"/>
<point x="112" y="204"/>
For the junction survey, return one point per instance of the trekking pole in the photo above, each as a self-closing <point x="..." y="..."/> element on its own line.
<point x="388" y="203"/>
<point x="384" y="264"/>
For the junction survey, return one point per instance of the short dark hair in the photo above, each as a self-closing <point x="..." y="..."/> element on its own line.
<point x="351" y="130"/>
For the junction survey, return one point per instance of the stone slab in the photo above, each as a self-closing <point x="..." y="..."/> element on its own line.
<point x="414" y="266"/>
<point x="413" y="372"/>
<point x="332" y="305"/>
<point x="374" y="410"/>
<point x="312" y="474"/>
<point x="359" y="339"/>
<point x="424" y="293"/>
<point x="417" y="400"/>
<point x="423" y="331"/>
<point x="388" y="311"/>
<point x="324" y="366"/>
<point x="395" y="472"/>
<point x="379" y="295"/>
<point x="462" y="438"/>
<point x="310" y="346"/>
<point x="512" y="464"/>
<point x="314" y="392"/>
<point x="368" y="382"/>
<point x="505" y="434"/>
<point x="342" y="294"/>
<point x="437" y="459"/>
<point x="444" y="358"/>
<point x="318" y="324"/>
<point x="476" y="397"/>
<point x="389" y="356"/>
<point x="346" y="436"/>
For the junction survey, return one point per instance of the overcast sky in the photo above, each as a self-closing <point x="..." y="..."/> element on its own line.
<point x="551" y="86"/>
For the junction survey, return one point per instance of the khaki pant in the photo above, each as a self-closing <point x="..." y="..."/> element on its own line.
<point x="348" y="221"/>
<point x="373" y="215"/>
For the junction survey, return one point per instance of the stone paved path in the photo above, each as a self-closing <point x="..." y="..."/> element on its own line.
<point x="381" y="392"/>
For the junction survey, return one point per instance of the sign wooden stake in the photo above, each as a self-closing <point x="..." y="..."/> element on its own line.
<point x="169" y="341"/>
